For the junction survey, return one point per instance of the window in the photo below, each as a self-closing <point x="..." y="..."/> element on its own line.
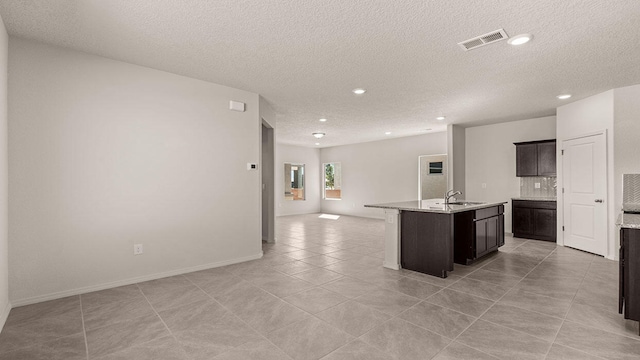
<point x="332" y="189"/>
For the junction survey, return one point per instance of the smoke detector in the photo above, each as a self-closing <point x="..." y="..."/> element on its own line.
<point x="483" y="40"/>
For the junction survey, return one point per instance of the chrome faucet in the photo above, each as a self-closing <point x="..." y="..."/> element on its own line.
<point x="449" y="194"/>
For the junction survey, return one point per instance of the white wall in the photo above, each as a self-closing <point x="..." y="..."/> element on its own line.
<point x="456" y="145"/>
<point x="588" y="116"/>
<point x="626" y="145"/>
<point x="5" y="306"/>
<point x="626" y="136"/>
<point x="491" y="159"/>
<point x="105" y="154"/>
<point x="310" y="157"/>
<point x="379" y="172"/>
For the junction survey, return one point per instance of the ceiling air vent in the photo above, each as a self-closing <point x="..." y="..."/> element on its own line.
<point x="483" y="40"/>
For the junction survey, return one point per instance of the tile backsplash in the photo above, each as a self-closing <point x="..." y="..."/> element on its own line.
<point x="548" y="186"/>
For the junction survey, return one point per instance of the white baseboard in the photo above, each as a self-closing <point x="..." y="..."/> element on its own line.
<point x="391" y="266"/>
<point x="5" y="315"/>
<point x="109" y="285"/>
<point x="612" y="257"/>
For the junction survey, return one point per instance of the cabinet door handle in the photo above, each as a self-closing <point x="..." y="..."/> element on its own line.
<point x="599" y="200"/>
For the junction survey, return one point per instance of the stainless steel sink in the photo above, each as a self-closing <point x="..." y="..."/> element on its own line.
<point x="466" y="203"/>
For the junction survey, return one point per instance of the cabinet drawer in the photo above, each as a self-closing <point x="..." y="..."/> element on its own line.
<point x="532" y="204"/>
<point x="489" y="212"/>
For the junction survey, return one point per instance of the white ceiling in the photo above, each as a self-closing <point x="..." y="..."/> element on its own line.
<point x="305" y="57"/>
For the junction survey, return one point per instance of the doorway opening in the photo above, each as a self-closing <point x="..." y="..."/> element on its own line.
<point x="268" y="183"/>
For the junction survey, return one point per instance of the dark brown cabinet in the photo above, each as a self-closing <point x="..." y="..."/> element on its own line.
<point x="431" y="242"/>
<point x="478" y="233"/>
<point x="427" y="242"/>
<point x="488" y="235"/>
<point x="534" y="219"/>
<point x="536" y="158"/>
<point x="630" y="273"/>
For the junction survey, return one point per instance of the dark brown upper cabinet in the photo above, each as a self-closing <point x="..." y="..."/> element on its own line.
<point x="536" y="158"/>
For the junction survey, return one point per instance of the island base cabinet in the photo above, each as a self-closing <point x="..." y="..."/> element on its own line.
<point x="488" y="235"/>
<point x="478" y="233"/>
<point x="426" y="242"/>
<point x="630" y="273"/>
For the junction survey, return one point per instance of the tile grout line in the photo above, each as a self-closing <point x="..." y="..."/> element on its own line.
<point x="628" y="336"/>
<point x="554" y="251"/>
<point x="343" y="302"/>
<point x="420" y="300"/>
<point x="586" y="325"/>
<point x="454" y="340"/>
<point x="84" y="330"/>
<point x="242" y="320"/>
<point x="496" y="302"/>
<point x="564" y="319"/>
<point x="159" y="317"/>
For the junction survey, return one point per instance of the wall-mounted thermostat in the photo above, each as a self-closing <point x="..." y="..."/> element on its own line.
<point x="252" y="166"/>
<point x="236" y="106"/>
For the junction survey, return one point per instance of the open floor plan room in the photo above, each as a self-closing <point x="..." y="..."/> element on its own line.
<point x="320" y="293"/>
<point x="306" y="180"/>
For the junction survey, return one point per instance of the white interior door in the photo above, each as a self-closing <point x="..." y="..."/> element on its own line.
<point x="584" y="165"/>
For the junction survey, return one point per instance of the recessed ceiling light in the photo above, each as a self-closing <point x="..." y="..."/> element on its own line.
<point x="520" y="39"/>
<point x="359" y="91"/>
<point x="440" y="118"/>
<point x="323" y="120"/>
<point x="317" y="143"/>
<point x="388" y="133"/>
<point x="318" y="135"/>
<point x="563" y="96"/>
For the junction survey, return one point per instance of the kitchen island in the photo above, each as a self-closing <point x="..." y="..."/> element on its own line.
<point x="629" y="285"/>
<point x="428" y="236"/>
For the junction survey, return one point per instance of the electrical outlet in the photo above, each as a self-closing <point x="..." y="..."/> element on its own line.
<point x="137" y="249"/>
<point x="390" y="219"/>
<point x="536" y="185"/>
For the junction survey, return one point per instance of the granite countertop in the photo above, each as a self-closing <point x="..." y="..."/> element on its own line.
<point x="435" y="206"/>
<point x="629" y="221"/>
<point x="530" y="198"/>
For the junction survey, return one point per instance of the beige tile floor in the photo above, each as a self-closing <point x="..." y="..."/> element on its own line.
<point x="321" y="293"/>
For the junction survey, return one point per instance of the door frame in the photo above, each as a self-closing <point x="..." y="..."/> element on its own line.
<point x="609" y="253"/>
<point x="267" y="181"/>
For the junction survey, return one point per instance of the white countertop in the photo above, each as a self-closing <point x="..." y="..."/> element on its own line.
<point x="629" y="221"/>
<point x="434" y="206"/>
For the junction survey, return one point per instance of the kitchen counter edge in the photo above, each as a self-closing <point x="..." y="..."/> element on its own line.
<point x="629" y="221"/>
<point x="450" y="209"/>
<point x="529" y="198"/>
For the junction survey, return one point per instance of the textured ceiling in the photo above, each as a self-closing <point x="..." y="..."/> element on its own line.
<point x="305" y="57"/>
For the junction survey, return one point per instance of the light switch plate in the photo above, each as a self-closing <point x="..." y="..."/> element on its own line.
<point x="536" y="185"/>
